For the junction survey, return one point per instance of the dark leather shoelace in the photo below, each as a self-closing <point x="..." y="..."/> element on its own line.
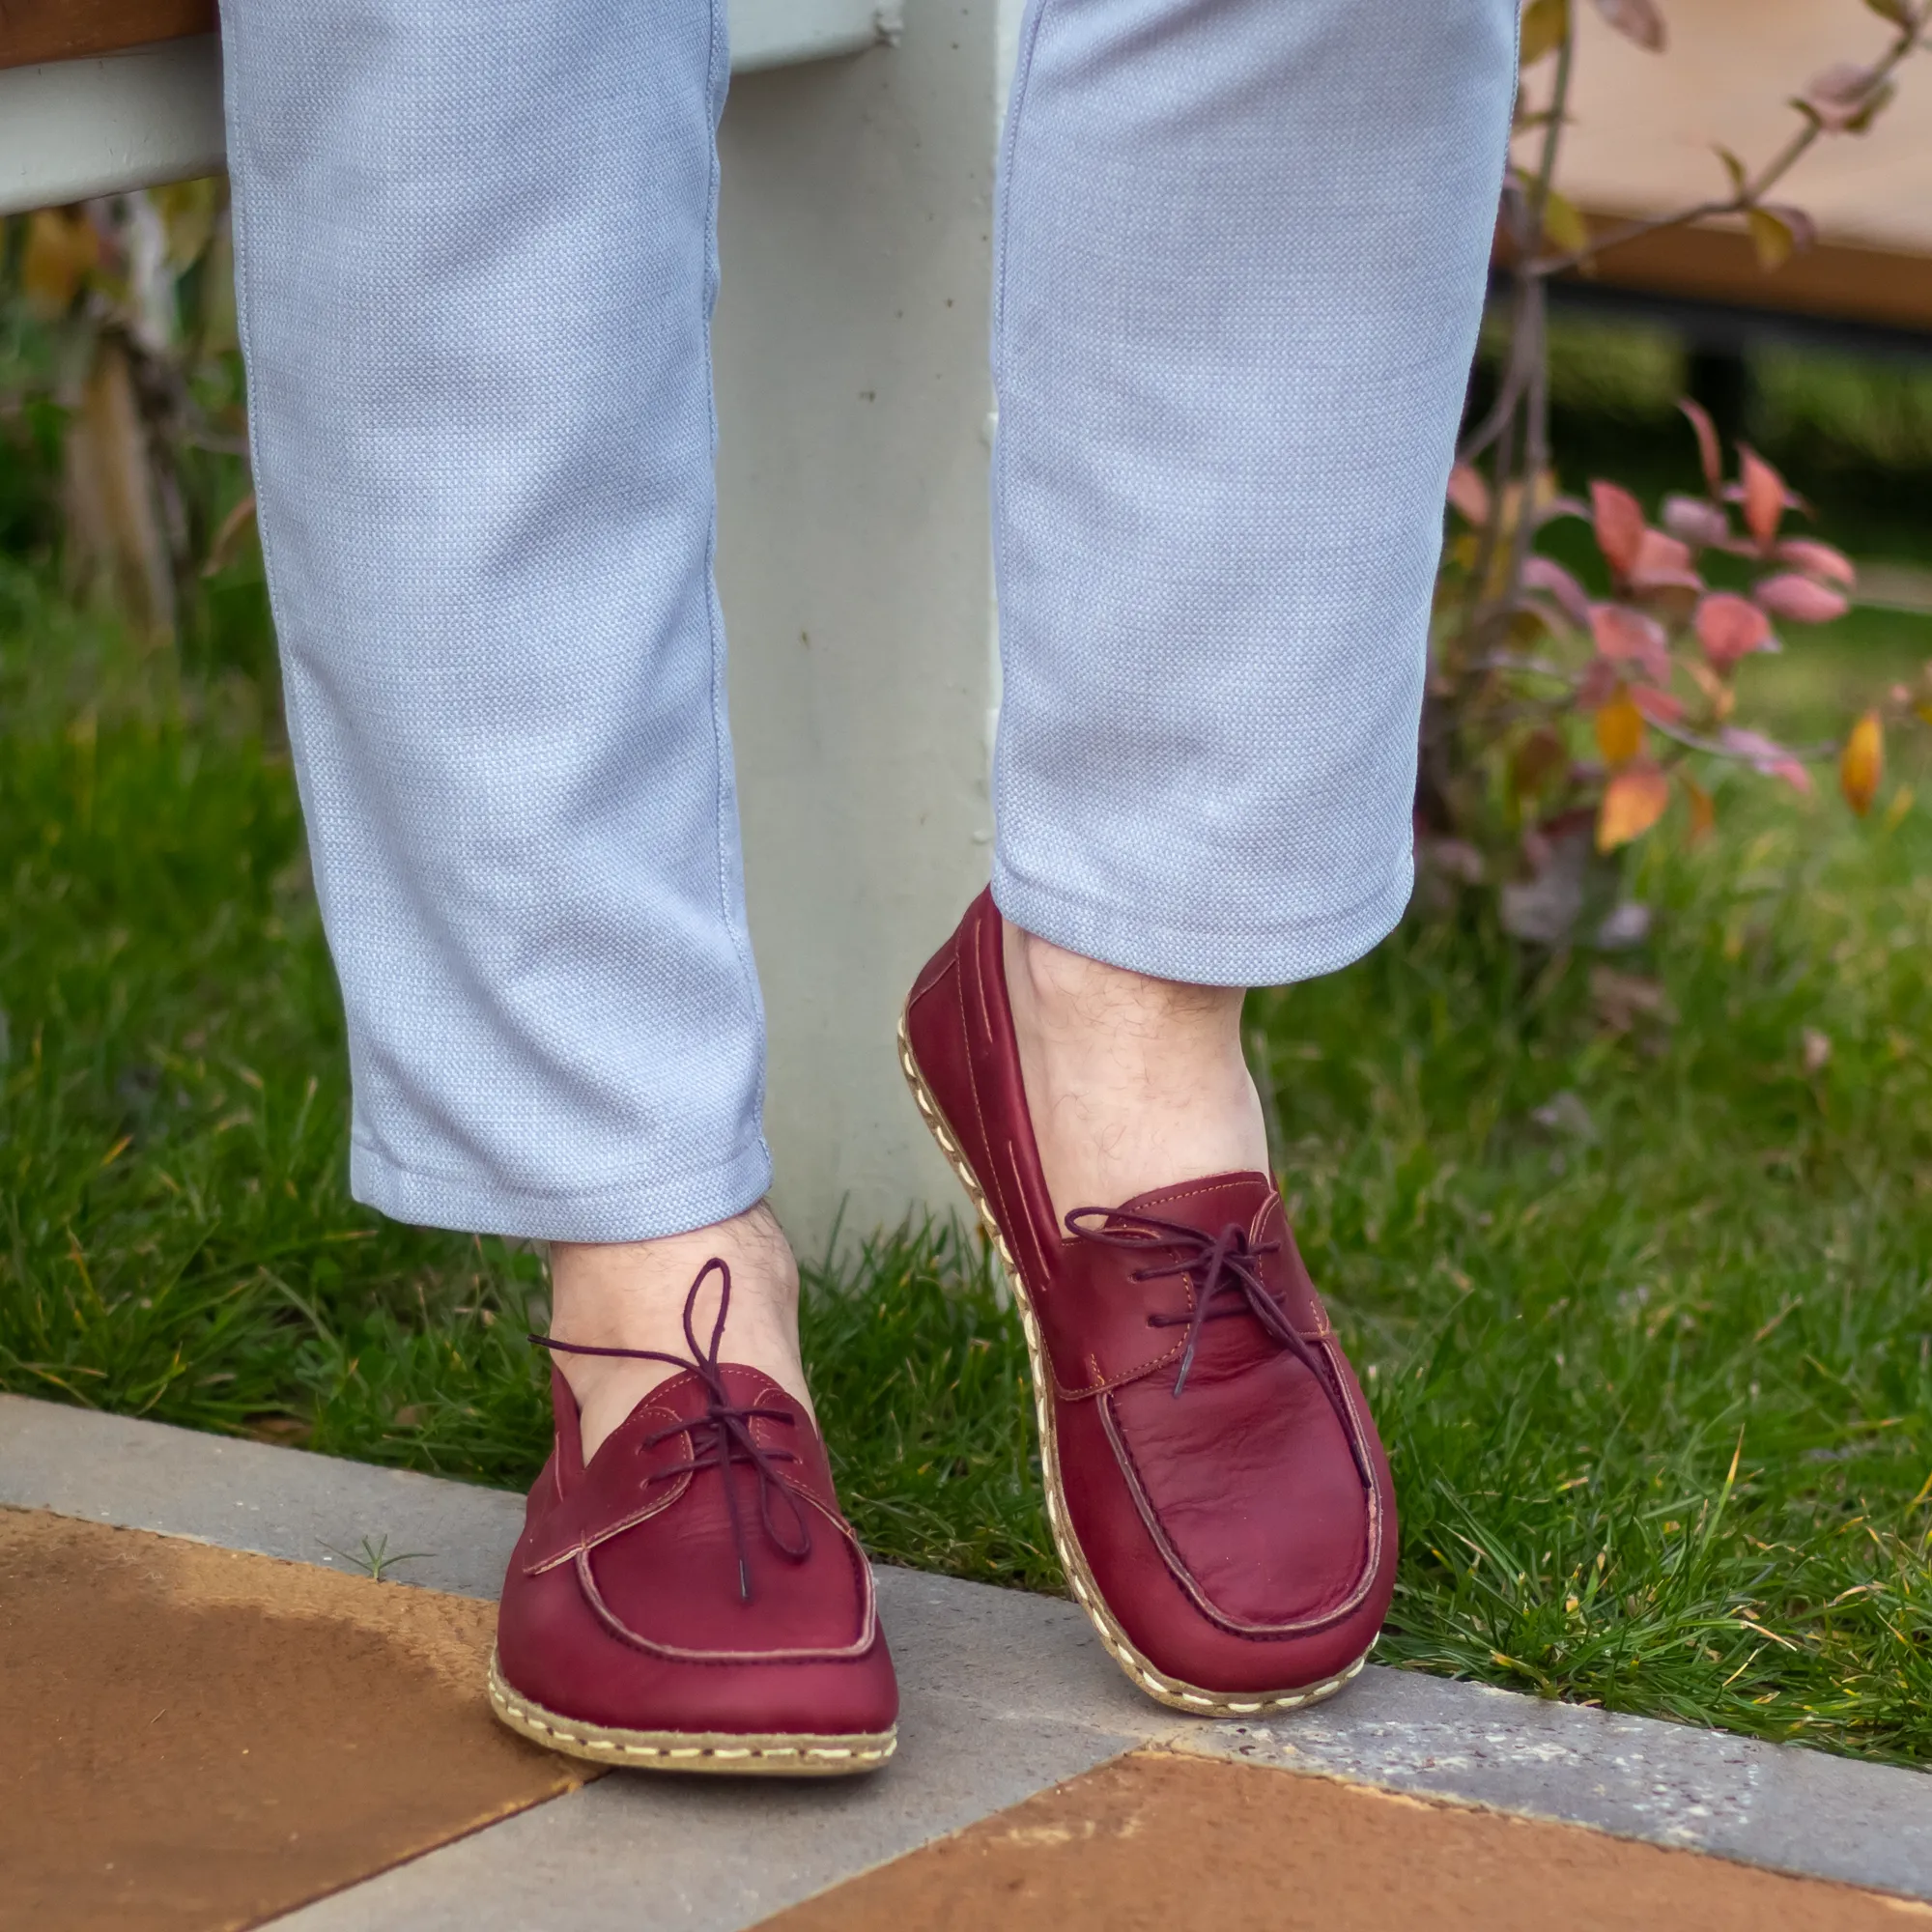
<point x="1226" y="1273"/>
<point x="728" y="1424"/>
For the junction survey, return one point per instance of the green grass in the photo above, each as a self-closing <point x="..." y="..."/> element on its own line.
<point x="1656" y="1375"/>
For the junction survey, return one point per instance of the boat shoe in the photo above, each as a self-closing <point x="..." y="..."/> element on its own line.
<point x="692" y="1600"/>
<point x="1218" y="1495"/>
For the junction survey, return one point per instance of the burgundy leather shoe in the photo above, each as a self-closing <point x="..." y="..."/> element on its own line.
<point x="1217" y="1491"/>
<point x="694" y="1600"/>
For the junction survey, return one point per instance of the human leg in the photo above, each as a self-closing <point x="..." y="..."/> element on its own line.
<point x="1241" y="263"/>
<point x="476" y="262"/>
<point x="1243" y="250"/>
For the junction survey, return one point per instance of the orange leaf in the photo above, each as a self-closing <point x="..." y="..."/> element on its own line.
<point x="59" y="250"/>
<point x="1620" y="729"/>
<point x="1710" y="451"/>
<point x="1618" y="518"/>
<point x="1470" y="494"/>
<point x="1703" y="809"/>
<point x="1633" y="801"/>
<point x="1763" y="493"/>
<point x="1862" y="764"/>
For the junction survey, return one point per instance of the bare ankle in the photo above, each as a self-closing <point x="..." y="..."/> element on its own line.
<point x="631" y="1295"/>
<point x="1132" y="1082"/>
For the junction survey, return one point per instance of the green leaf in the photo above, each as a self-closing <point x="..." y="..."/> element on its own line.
<point x="1563" y="225"/>
<point x="1545" y="26"/>
<point x="1771" y="238"/>
<point x="1735" y="168"/>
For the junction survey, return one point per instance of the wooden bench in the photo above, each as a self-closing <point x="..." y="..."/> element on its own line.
<point x="1641" y="143"/>
<point x="98" y="96"/>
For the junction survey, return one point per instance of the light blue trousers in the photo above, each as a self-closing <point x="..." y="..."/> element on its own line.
<point x="1240" y="260"/>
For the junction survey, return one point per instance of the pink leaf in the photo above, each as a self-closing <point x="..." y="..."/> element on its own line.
<point x="1636" y="20"/>
<point x="1468" y="493"/>
<point x="1600" y="682"/>
<point x="1764" y="493"/>
<point x="1628" y="637"/>
<point x="1797" y="598"/>
<point x="1660" y="707"/>
<point x="1663" y="563"/>
<point x="1730" y="627"/>
<point x="1539" y="573"/>
<point x="1766" y="755"/>
<point x="1710" y="451"/>
<point x="1804" y="231"/>
<point x="1840" y="97"/>
<point x="1561" y="506"/>
<point x="1696" y="522"/>
<point x="1619" y="525"/>
<point x="1817" y="560"/>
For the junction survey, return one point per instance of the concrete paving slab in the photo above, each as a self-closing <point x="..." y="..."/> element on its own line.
<point x="251" y="1496"/>
<point x="635" y="1853"/>
<point x="1005" y="1694"/>
<point x="1775" y="1805"/>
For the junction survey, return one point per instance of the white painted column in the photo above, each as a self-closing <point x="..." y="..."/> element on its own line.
<point x="856" y="574"/>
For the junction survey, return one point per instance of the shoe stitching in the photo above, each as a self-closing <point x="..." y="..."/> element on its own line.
<point x="523" y="1715"/>
<point x="861" y="1645"/>
<point x="1325" y="1616"/>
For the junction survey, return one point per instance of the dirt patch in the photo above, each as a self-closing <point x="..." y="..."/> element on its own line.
<point x="191" y="1738"/>
<point x="1159" y="1842"/>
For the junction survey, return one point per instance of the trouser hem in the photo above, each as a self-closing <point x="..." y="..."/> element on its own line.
<point x="1302" y="946"/>
<point x="639" y="1210"/>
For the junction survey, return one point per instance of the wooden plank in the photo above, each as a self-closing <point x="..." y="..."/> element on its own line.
<point x="1888" y="287"/>
<point x="32" y="31"/>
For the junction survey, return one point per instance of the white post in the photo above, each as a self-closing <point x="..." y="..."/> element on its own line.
<point x="855" y="570"/>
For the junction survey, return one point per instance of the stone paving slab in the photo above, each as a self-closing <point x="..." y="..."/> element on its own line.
<point x="1005" y="1694"/>
<point x="1673" y="1784"/>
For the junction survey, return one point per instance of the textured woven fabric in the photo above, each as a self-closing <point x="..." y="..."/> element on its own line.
<point x="1240" y="266"/>
<point x="476" y="257"/>
<point x="1241" y="257"/>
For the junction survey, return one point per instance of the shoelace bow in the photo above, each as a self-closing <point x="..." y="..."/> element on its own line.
<point x="728" y="1424"/>
<point x="1226" y="1273"/>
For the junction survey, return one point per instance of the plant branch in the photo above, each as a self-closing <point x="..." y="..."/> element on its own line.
<point x="1749" y="197"/>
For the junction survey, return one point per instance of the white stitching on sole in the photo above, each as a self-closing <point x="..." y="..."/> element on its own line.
<point x="520" y="1715"/>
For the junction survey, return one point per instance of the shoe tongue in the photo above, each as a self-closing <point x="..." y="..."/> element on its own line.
<point x="1210" y="1203"/>
<point x="686" y="1395"/>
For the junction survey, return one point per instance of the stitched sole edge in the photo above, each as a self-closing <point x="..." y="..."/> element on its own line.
<point x="1174" y="1691"/>
<point x="721" y="1753"/>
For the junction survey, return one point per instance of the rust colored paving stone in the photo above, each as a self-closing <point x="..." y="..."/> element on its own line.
<point x="193" y="1739"/>
<point x="1155" y="1840"/>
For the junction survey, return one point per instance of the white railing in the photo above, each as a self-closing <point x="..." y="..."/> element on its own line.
<point x="73" y="128"/>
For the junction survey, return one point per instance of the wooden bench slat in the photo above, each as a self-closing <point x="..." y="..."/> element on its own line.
<point x="1886" y="287"/>
<point x="32" y="31"/>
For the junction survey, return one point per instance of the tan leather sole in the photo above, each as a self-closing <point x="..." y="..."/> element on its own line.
<point x="721" y="1753"/>
<point x="1172" y="1692"/>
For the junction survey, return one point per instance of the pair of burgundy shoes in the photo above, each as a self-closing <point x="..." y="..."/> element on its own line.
<point x="694" y="1600"/>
